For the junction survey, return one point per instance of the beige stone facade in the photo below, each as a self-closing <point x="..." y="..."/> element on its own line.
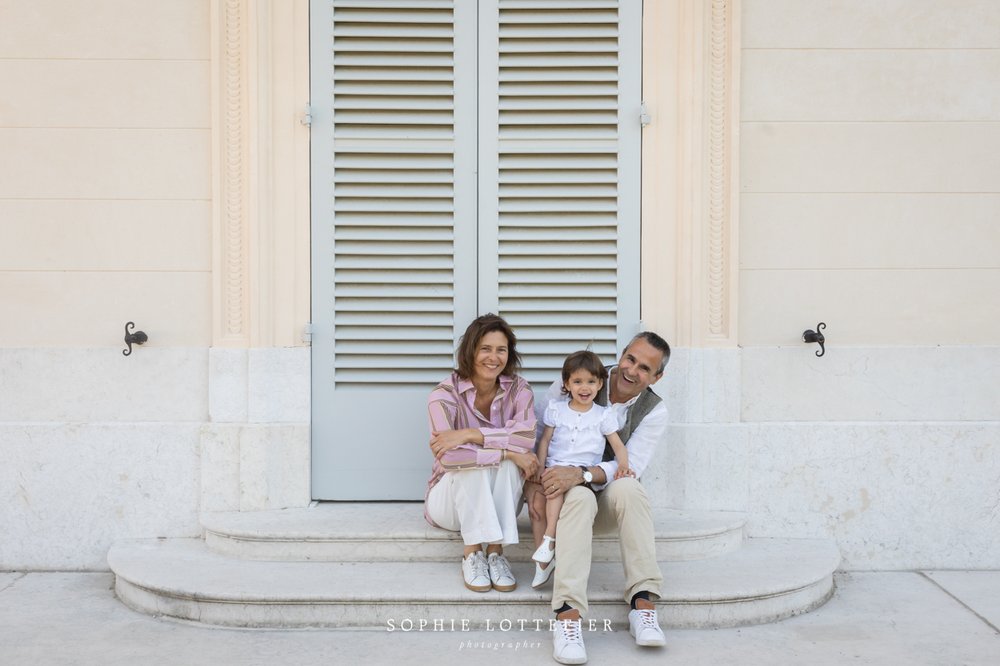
<point x="804" y="162"/>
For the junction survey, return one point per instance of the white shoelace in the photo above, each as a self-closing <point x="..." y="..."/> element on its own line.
<point x="571" y="630"/>
<point x="479" y="567"/>
<point x="647" y="617"/>
<point x="502" y="566"/>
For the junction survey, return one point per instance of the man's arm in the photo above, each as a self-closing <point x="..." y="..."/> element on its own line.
<point x="641" y="446"/>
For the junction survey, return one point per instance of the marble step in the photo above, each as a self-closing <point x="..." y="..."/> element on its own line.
<point x="766" y="580"/>
<point x="397" y="531"/>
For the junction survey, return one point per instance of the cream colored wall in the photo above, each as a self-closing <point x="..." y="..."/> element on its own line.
<point x="105" y="181"/>
<point x="105" y="217"/>
<point x="870" y="172"/>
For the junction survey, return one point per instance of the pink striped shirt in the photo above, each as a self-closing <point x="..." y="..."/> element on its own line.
<point x="509" y="425"/>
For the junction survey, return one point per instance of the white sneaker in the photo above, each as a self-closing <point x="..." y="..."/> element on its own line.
<point x="477" y="576"/>
<point x="500" y="574"/>
<point x="643" y="625"/>
<point x="542" y="575"/>
<point x="567" y="642"/>
<point x="545" y="552"/>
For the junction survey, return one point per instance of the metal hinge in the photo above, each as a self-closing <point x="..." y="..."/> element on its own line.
<point x="644" y="118"/>
<point x="306" y="118"/>
<point x="307" y="332"/>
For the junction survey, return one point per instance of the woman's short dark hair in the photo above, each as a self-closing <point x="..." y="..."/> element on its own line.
<point x="467" y="346"/>
<point x="583" y="360"/>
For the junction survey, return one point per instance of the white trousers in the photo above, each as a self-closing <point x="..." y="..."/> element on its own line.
<point x="480" y="503"/>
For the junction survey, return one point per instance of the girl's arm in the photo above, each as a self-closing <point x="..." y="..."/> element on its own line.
<point x="542" y="450"/>
<point x="621" y="455"/>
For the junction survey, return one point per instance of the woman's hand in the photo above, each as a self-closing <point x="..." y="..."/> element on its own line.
<point x="446" y="440"/>
<point x="526" y="462"/>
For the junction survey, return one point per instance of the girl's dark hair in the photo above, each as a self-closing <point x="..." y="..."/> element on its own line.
<point x="467" y="346"/>
<point x="583" y="360"/>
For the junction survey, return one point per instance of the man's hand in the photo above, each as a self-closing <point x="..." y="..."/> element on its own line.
<point x="557" y="480"/>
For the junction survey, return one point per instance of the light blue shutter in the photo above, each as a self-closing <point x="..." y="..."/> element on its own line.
<point x="393" y="233"/>
<point x="410" y="100"/>
<point x="559" y="176"/>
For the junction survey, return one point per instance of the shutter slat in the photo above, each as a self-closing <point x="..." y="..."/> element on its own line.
<point x="412" y="234"/>
<point x="394" y="190"/>
<point x="512" y="47"/>
<point x="403" y="45"/>
<point x="401" y="221"/>
<point x="392" y="290"/>
<point x="537" y="234"/>
<point x="389" y="262"/>
<point x="391" y="206"/>
<point x="347" y="6"/>
<point x="593" y="190"/>
<point x="543" y="263"/>
<point x="346" y="304"/>
<point x="372" y="318"/>
<point x="561" y="104"/>
<point x="395" y="332"/>
<point x="564" y="205"/>
<point x="423" y="176"/>
<point x="405" y="277"/>
<point x="357" y="71"/>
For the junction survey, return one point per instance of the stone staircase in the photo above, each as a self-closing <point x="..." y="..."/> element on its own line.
<point x="381" y="565"/>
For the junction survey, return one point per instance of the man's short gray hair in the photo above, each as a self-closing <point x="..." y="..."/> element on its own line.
<point x="657" y="343"/>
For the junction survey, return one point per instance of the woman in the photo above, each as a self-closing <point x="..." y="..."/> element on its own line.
<point x="482" y="437"/>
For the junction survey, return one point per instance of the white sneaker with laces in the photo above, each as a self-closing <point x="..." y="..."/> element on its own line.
<point x="642" y="624"/>
<point x="474" y="569"/>
<point x="500" y="573"/>
<point x="567" y="642"/>
<point x="542" y="575"/>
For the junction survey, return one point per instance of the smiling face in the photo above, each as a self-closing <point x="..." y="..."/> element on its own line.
<point x="638" y="367"/>
<point x="582" y="387"/>
<point x="491" y="356"/>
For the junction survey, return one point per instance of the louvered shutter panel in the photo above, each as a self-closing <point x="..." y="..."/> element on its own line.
<point x="466" y="157"/>
<point x="394" y="192"/>
<point x="394" y="270"/>
<point x="562" y="129"/>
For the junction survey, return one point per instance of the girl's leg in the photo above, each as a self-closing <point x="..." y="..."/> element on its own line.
<point x="545" y="551"/>
<point x="552" y="509"/>
<point x="536" y="510"/>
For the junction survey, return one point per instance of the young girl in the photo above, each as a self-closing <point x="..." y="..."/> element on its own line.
<point x="574" y="435"/>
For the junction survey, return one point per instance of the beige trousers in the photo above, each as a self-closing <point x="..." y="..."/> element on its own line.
<point x="623" y="506"/>
<point x="480" y="503"/>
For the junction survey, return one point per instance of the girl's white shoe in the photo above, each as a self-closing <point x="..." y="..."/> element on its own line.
<point x="542" y="575"/>
<point x="544" y="554"/>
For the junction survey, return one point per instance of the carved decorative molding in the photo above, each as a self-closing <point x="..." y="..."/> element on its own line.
<point x="234" y="104"/>
<point x="721" y="191"/>
<point x="230" y="269"/>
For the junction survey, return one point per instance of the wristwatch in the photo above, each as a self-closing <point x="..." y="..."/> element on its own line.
<point x="588" y="477"/>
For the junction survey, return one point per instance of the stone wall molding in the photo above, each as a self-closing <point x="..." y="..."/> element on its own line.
<point x="690" y="171"/>
<point x="260" y="167"/>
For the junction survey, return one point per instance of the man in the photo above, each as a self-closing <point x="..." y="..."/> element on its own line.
<point x="592" y="503"/>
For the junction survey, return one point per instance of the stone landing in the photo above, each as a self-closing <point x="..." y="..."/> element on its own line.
<point x="369" y="565"/>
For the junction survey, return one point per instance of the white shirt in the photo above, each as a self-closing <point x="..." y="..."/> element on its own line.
<point x="640" y="445"/>
<point x="578" y="438"/>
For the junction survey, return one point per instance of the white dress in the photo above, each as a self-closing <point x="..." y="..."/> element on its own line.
<point x="579" y="436"/>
